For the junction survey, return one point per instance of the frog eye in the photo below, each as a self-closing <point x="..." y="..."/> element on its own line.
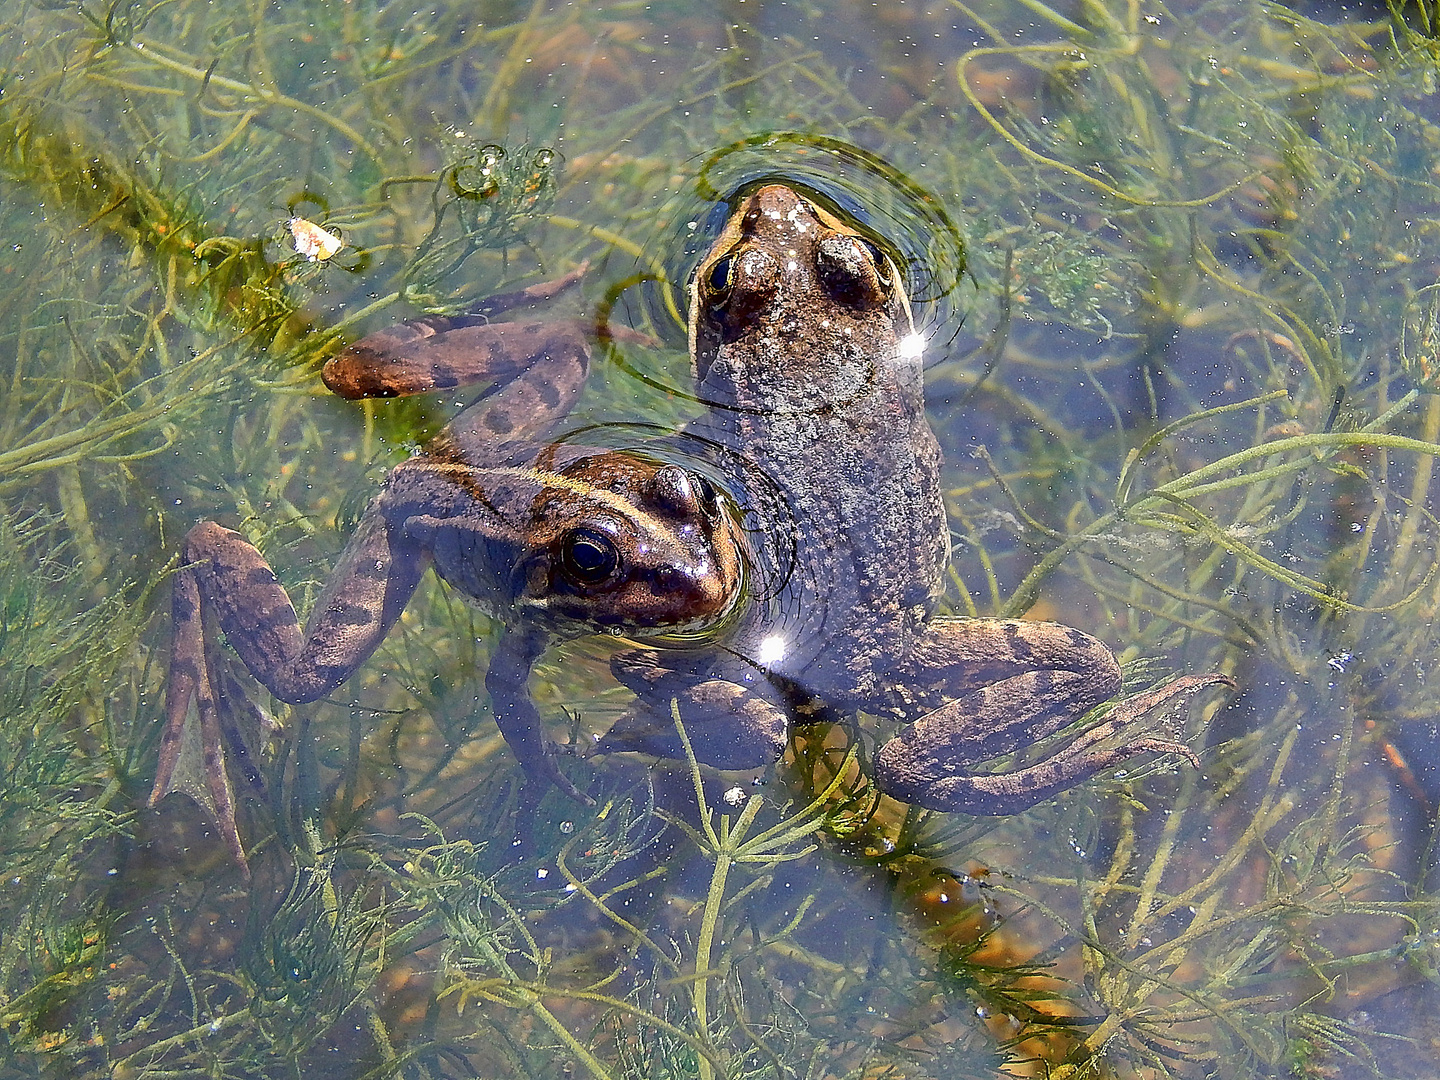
<point x="719" y="277"/>
<point x="673" y="489"/>
<point x="882" y="263"/>
<point x="588" y="557"/>
<point x="709" y="497"/>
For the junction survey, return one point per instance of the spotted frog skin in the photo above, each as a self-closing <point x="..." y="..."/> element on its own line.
<point x="807" y="358"/>
<point x="815" y="597"/>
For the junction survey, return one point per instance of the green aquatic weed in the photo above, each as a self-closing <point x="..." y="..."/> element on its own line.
<point x="494" y="196"/>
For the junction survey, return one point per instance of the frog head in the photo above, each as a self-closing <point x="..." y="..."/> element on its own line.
<point x="622" y="542"/>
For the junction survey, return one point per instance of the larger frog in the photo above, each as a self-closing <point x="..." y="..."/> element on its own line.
<point x="818" y="595"/>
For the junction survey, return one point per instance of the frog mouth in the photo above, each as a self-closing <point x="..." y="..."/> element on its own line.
<point x="703" y="629"/>
<point x="690" y="634"/>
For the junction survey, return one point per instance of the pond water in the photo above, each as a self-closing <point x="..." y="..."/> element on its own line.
<point x="1174" y="269"/>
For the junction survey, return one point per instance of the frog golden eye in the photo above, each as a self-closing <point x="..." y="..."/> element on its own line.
<point x="717" y="280"/>
<point x="588" y="557"/>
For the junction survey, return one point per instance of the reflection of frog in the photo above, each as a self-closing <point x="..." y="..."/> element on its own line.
<point x="810" y="368"/>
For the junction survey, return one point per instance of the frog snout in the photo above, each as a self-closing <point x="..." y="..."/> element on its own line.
<point x="692" y="591"/>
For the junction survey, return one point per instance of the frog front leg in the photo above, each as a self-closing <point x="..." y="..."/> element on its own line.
<point x="507" y="681"/>
<point x="226" y="581"/>
<point x="734" y="716"/>
<point x="990" y="687"/>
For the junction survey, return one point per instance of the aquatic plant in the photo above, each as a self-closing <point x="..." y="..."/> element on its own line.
<point x="62" y="810"/>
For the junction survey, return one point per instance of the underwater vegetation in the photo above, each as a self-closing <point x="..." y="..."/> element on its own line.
<point x="1189" y="395"/>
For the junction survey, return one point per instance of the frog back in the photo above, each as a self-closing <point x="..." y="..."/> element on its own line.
<point x="809" y="364"/>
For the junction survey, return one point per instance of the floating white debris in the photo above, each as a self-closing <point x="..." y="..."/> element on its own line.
<point x="315" y="242"/>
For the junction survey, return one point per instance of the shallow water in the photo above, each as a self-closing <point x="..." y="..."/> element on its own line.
<point x="1183" y="389"/>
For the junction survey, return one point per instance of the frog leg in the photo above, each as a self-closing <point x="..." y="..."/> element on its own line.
<point x="519" y="720"/>
<point x="225" y="580"/>
<point x="734" y="716"/>
<point x="437" y="352"/>
<point x="190" y="676"/>
<point x="541" y="363"/>
<point x="1006" y="685"/>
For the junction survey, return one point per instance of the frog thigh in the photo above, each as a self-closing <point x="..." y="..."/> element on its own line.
<point x="733" y="716"/>
<point x="437" y="352"/>
<point x="965" y="654"/>
<point x="552" y="370"/>
<point x="366" y="593"/>
<point x="986" y="687"/>
<point x="539" y="368"/>
<point x="928" y="763"/>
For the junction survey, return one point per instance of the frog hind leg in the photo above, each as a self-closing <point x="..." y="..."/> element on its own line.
<point x="1006" y="685"/>
<point x="733" y="716"/>
<point x="225" y="580"/>
<point x="542" y="364"/>
<point x="190" y="677"/>
<point x="436" y="352"/>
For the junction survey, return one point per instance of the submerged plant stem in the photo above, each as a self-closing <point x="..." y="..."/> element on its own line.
<point x="152" y="53"/>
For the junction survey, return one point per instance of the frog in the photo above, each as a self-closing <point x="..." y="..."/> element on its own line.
<point x="807" y="358"/>
<point x="778" y="562"/>
<point x="554" y="538"/>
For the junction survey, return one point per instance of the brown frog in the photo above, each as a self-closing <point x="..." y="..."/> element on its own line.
<point x="807" y="358"/>
<point x="818" y="595"/>
<point x="557" y="540"/>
